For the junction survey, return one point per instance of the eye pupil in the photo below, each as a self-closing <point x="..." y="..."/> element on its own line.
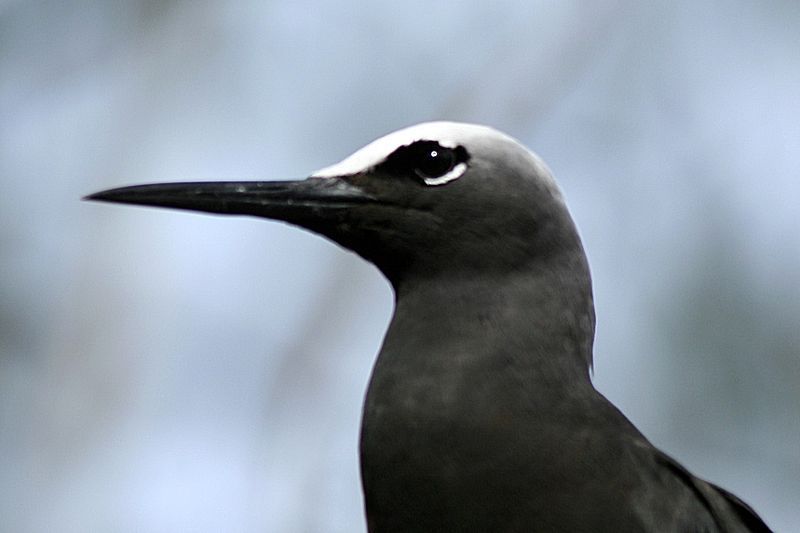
<point x="435" y="162"/>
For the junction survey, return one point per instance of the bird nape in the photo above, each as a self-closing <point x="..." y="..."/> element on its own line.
<point x="480" y="414"/>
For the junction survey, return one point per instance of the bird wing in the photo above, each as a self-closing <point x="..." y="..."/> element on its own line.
<point x="729" y="512"/>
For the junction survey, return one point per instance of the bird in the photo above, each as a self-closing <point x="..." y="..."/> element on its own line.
<point x="480" y="414"/>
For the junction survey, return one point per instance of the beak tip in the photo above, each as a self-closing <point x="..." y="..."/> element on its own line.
<point x="108" y="195"/>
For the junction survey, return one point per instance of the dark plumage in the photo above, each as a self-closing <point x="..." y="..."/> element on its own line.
<point x="480" y="414"/>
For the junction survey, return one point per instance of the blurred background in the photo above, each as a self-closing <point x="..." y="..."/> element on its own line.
<point x="167" y="371"/>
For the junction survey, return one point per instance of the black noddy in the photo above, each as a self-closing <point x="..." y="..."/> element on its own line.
<point x="480" y="414"/>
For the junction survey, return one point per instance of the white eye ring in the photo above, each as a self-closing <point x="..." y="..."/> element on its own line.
<point x="454" y="173"/>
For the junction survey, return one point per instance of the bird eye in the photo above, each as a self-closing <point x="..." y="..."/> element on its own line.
<point x="435" y="162"/>
<point x="429" y="161"/>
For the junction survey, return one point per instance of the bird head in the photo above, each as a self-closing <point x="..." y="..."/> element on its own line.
<point x="419" y="200"/>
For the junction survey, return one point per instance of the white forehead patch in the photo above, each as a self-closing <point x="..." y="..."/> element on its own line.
<point x="447" y="134"/>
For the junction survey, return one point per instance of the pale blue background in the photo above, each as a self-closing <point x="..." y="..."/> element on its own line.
<point x="166" y="371"/>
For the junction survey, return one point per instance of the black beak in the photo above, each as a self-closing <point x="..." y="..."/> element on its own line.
<point x="306" y="202"/>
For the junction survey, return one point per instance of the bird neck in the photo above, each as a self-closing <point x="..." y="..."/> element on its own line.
<point x="538" y="320"/>
<point x="475" y="370"/>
